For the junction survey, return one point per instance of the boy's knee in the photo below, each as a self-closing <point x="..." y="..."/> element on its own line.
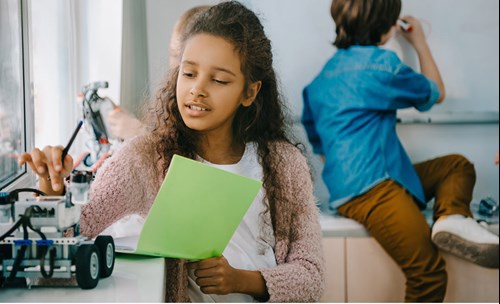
<point x="460" y="161"/>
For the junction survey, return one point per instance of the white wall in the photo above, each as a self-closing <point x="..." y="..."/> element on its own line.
<point x="161" y="18"/>
<point x="302" y="31"/>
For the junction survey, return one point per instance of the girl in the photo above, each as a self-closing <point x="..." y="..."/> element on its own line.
<point x="221" y="106"/>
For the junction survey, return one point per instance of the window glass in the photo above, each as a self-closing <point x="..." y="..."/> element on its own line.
<point x="12" y="119"/>
<point x="54" y="71"/>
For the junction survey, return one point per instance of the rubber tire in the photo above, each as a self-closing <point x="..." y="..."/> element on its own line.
<point x="87" y="262"/>
<point x="5" y="253"/>
<point x="106" y="246"/>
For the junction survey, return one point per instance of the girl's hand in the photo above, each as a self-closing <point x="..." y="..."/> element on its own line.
<point x="47" y="164"/>
<point x="216" y="276"/>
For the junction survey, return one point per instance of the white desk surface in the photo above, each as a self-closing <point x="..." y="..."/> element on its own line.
<point x="134" y="279"/>
<point x="338" y="226"/>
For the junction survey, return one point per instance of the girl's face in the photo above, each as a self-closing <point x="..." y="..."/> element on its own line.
<point x="210" y="85"/>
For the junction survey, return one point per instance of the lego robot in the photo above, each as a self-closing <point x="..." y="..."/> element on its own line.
<point x="40" y="237"/>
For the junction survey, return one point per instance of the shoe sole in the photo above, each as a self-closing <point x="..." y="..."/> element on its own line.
<point x="485" y="255"/>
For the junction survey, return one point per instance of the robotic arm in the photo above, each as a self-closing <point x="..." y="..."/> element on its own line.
<point x="95" y="110"/>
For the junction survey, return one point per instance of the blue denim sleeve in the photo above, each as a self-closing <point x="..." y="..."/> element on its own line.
<point x="433" y="97"/>
<point x="308" y="122"/>
<point x="412" y="89"/>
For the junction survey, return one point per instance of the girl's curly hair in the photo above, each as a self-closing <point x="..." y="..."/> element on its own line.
<point x="263" y="122"/>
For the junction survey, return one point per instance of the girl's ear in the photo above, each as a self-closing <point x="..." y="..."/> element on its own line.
<point x="252" y="92"/>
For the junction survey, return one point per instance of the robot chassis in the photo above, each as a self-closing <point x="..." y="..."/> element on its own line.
<point x="45" y="243"/>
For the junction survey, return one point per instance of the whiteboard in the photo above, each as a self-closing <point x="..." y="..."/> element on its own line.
<point x="463" y="38"/>
<point x="462" y="35"/>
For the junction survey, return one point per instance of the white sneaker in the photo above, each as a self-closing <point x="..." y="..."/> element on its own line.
<point x="466" y="238"/>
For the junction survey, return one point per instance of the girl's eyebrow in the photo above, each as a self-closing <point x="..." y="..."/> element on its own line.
<point x="188" y="62"/>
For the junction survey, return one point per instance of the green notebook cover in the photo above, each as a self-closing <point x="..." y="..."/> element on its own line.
<point x="196" y="211"/>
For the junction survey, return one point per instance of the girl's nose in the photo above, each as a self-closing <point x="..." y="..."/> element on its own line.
<point x="197" y="91"/>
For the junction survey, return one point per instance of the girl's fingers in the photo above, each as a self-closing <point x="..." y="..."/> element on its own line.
<point x="48" y="163"/>
<point x="25" y="158"/>
<point x="68" y="164"/>
<point x="39" y="161"/>
<point x="205" y="282"/>
<point x="56" y="155"/>
<point x="209" y="290"/>
<point x="208" y="263"/>
<point x="205" y="273"/>
<point x="55" y="179"/>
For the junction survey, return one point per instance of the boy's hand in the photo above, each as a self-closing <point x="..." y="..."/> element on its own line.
<point x="416" y="36"/>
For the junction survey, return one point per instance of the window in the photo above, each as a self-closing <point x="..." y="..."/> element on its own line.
<point x="71" y="43"/>
<point x="16" y="102"/>
<point x="54" y="70"/>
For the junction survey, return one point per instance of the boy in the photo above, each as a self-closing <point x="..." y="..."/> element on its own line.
<point x="350" y="118"/>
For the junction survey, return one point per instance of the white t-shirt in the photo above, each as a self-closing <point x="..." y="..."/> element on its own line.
<point x="252" y="245"/>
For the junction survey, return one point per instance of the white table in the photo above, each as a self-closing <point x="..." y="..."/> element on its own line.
<point x="134" y="279"/>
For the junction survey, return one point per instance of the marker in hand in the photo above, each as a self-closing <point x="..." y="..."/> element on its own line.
<point x="405" y="26"/>
<point x="68" y="146"/>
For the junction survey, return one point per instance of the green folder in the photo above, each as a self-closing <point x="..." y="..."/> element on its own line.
<point x="196" y="211"/>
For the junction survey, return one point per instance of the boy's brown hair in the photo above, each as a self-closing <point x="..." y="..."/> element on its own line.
<point x="363" y="22"/>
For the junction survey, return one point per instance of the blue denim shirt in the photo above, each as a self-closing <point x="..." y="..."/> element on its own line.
<point x="350" y="117"/>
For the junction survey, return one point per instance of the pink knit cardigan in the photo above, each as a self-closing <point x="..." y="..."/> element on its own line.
<point x="129" y="180"/>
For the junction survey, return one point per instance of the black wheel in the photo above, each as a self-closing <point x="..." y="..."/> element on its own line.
<point x="87" y="266"/>
<point x="5" y="253"/>
<point x="106" y="247"/>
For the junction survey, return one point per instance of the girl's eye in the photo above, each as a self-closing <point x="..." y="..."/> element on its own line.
<point x="187" y="74"/>
<point x="220" y="81"/>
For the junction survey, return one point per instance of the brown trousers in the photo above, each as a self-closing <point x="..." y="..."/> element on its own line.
<point x="393" y="218"/>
